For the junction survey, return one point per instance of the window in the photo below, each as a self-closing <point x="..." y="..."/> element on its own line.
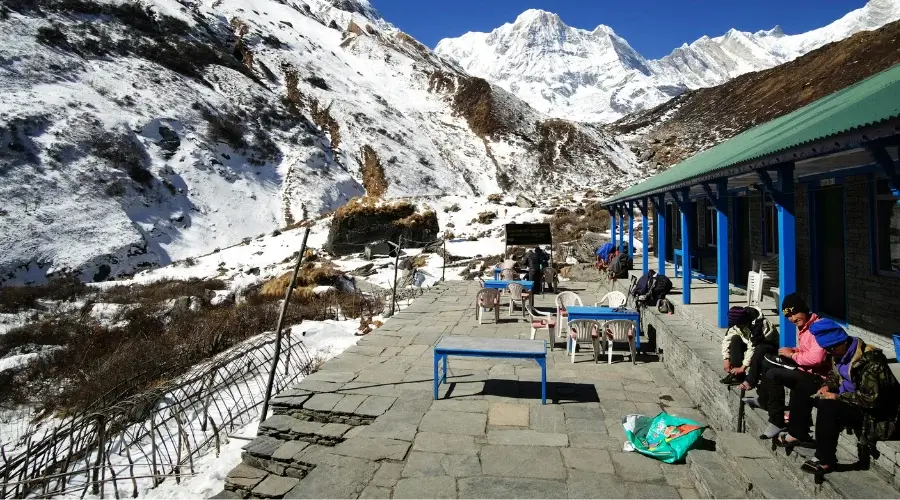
<point x="887" y="228"/>
<point x="675" y="217"/>
<point x="711" y="230"/>
<point x="770" y="226"/>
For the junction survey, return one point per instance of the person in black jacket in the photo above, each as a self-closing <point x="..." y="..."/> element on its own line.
<point x="535" y="260"/>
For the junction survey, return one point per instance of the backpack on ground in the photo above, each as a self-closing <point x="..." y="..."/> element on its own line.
<point x="644" y="284"/>
<point x="660" y="287"/>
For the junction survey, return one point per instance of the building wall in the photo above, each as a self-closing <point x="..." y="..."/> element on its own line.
<point x="874" y="300"/>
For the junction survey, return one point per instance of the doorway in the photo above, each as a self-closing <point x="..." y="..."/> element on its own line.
<point x="830" y="251"/>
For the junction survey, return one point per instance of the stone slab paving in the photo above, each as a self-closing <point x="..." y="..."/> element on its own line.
<point x="366" y="424"/>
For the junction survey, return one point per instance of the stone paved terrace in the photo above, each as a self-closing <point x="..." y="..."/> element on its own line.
<point x="366" y="425"/>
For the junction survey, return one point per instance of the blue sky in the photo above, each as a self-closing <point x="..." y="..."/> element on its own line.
<point x="652" y="27"/>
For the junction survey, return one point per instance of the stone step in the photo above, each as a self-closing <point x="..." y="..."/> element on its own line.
<point x="712" y="476"/>
<point x="843" y="484"/>
<point x="752" y="464"/>
<point x="289" y="428"/>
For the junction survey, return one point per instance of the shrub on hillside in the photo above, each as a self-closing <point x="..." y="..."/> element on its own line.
<point x="16" y="298"/>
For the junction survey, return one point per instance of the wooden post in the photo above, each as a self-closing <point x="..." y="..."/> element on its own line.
<point x="396" y="268"/>
<point x="287" y="298"/>
<point x="444" y="266"/>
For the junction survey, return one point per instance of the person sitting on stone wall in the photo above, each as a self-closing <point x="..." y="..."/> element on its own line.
<point x="747" y="333"/>
<point x="860" y="393"/>
<point x="802" y="369"/>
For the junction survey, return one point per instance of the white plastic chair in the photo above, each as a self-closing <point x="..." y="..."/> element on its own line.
<point x="583" y="331"/>
<point x="619" y="330"/>
<point x="613" y="299"/>
<point x="487" y="298"/>
<point x="754" y="289"/>
<point x="516" y="294"/>
<point x="551" y="280"/>
<point x="541" y="320"/>
<point x="507" y="275"/>
<point x="564" y="300"/>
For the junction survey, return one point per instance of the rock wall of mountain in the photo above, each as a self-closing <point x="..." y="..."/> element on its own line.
<point x="699" y="119"/>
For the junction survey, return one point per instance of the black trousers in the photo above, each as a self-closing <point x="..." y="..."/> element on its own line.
<point x="802" y="386"/>
<point x="535" y="276"/>
<point x="833" y="416"/>
<point x="736" y="350"/>
<point x="758" y="365"/>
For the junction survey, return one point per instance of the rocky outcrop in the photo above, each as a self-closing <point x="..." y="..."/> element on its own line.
<point x="362" y="221"/>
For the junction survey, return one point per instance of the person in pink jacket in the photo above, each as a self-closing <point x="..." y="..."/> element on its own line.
<point x="802" y="369"/>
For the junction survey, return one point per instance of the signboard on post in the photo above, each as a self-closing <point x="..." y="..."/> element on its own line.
<point x="528" y="234"/>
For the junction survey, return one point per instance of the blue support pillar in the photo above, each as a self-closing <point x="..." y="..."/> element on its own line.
<point x="621" y="227"/>
<point x="645" y="237"/>
<point x="631" y="229"/>
<point x="612" y="222"/>
<point x="719" y="197"/>
<point x="782" y="191"/>
<point x="684" y="206"/>
<point x="787" y="249"/>
<point x="660" y="205"/>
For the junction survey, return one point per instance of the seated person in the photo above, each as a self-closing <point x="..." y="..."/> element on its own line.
<point x="861" y="393"/>
<point x="747" y="333"/>
<point x="802" y="369"/>
<point x="603" y="255"/>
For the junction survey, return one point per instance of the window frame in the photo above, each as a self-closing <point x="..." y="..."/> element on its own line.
<point x="711" y="232"/>
<point x="891" y="195"/>
<point x="770" y="229"/>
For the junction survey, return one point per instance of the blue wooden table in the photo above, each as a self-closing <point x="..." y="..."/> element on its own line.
<point x="607" y="314"/>
<point x="479" y="347"/>
<point x="502" y="284"/>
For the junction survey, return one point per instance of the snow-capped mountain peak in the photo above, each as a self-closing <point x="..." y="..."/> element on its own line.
<point x="597" y="76"/>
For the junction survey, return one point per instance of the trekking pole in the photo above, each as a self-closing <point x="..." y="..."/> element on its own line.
<point x="287" y="299"/>
<point x="396" y="266"/>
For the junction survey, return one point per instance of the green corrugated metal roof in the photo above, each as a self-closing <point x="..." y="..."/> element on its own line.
<point x="868" y="102"/>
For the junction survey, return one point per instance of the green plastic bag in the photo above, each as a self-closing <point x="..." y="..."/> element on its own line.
<point x="664" y="437"/>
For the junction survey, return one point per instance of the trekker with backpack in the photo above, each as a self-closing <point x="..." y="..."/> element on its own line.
<point x="747" y="329"/>
<point x="620" y="265"/>
<point x="802" y="369"/>
<point x="651" y="288"/>
<point x="603" y="254"/>
<point x="860" y="393"/>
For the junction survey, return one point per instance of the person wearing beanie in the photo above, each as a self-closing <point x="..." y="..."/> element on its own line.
<point x="801" y="369"/>
<point x="746" y="329"/>
<point x="860" y="393"/>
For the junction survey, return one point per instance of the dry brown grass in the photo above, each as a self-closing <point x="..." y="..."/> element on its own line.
<point x="372" y="206"/>
<point x="159" y="291"/>
<point x="373" y="173"/>
<point x="568" y="226"/>
<point x="100" y="365"/>
<point x="322" y="117"/>
<point x="310" y="275"/>
<point x="16" y="298"/>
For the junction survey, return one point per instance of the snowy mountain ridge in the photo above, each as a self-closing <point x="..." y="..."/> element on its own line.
<point x="597" y="76"/>
<point x="137" y="133"/>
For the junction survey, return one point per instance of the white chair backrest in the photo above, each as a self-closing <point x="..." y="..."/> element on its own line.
<point x="584" y="329"/>
<point x="515" y="291"/>
<point x="566" y="299"/>
<point x="613" y="299"/>
<point x="754" y="288"/>
<point x="481" y="281"/>
<point x="619" y="330"/>
<point x="507" y="275"/>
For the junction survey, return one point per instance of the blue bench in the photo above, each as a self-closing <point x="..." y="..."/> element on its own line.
<point x="479" y="347"/>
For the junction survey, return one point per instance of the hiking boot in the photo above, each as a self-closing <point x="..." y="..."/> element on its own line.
<point x="732" y="379"/>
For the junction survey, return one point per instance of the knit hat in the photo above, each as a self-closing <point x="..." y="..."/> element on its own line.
<point x="793" y="304"/>
<point x="737" y="315"/>
<point x="828" y="333"/>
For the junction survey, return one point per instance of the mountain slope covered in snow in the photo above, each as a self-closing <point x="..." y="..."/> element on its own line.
<point x="597" y="76"/>
<point x="136" y="133"/>
<point x="702" y="118"/>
